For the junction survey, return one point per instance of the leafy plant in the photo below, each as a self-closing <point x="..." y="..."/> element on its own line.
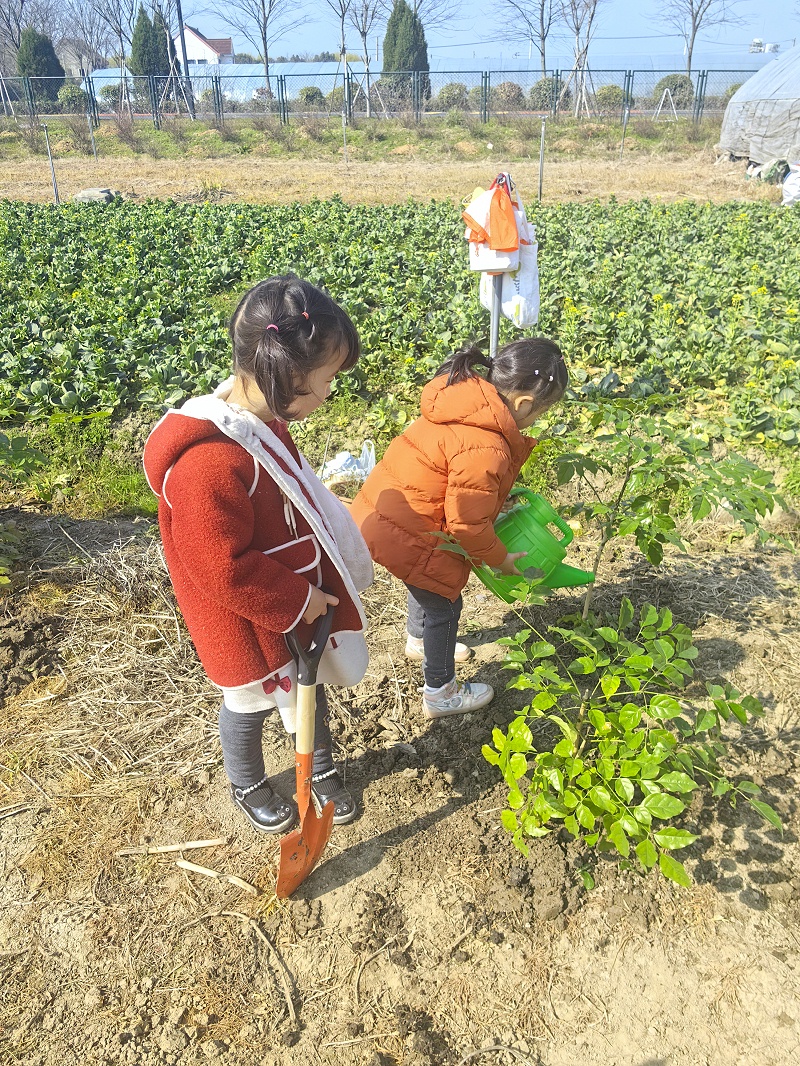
<point x="681" y="89"/>
<point x="637" y="471"/>
<point x="17" y="460"/>
<point x="508" y="94"/>
<point x="452" y="95"/>
<point x="612" y="747"/>
<point x="609" y="97"/>
<point x="73" y="99"/>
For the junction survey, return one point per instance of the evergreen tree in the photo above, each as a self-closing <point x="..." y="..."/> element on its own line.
<point x="419" y="53"/>
<point x="163" y="45"/>
<point x="37" y="60"/>
<point x="144" y="57"/>
<point x="404" y="45"/>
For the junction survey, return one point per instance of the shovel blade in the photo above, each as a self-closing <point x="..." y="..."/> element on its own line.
<point x="301" y="849"/>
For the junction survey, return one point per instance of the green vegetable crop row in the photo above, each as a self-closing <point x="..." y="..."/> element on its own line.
<point x="113" y="306"/>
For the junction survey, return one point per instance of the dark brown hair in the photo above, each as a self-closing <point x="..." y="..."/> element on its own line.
<point x="282" y="330"/>
<point x="533" y="365"/>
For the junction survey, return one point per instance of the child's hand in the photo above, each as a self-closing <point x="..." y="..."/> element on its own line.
<point x="318" y="604"/>
<point x="507" y="566"/>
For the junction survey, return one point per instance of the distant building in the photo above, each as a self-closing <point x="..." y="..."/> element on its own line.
<point x="77" y="57"/>
<point x="202" y="50"/>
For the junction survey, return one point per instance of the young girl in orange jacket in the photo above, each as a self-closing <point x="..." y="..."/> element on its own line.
<point x="450" y="472"/>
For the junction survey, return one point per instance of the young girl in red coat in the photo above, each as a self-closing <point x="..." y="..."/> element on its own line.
<point x="252" y="537"/>
<point x="450" y="472"/>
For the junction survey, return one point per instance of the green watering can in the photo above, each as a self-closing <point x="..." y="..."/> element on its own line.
<point x="524" y="529"/>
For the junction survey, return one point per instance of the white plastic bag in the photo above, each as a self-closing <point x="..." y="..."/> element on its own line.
<point x="345" y="465"/>
<point x="791" y="186"/>
<point x="520" y="292"/>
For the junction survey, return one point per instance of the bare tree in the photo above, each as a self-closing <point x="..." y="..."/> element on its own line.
<point x="341" y="9"/>
<point x="89" y="34"/>
<point x="44" y="16"/>
<point x="261" y="22"/>
<point x="365" y="16"/>
<point x="580" y="17"/>
<point x="119" y="16"/>
<point x="688" y="17"/>
<point x="531" y="21"/>
<point x="434" y="14"/>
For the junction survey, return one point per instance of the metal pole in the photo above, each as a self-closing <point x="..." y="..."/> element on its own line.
<point x="541" y="160"/>
<point x="344" y="104"/>
<point x="52" y="168"/>
<point x="625" y="118"/>
<point x="497" y="302"/>
<point x="91" y="135"/>
<point x="190" y="97"/>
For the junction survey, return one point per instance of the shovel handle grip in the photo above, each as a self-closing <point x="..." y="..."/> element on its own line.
<point x="308" y="658"/>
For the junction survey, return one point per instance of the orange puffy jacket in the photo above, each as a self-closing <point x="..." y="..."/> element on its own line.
<point x="450" y="472"/>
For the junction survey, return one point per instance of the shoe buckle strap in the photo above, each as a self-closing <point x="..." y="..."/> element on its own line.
<point x="321" y="777"/>
<point x="240" y="793"/>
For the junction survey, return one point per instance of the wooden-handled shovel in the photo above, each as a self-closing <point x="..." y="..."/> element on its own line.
<point x="301" y="849"/>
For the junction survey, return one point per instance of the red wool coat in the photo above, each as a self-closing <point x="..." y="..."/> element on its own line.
<point x="241" y="558"/>
<point x="449" y="472"/>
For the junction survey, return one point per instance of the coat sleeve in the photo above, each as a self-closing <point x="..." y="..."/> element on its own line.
<point x="473" y="500"/>
<point x="212" y="525"/>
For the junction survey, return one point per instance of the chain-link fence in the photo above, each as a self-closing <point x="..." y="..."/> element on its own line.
<point x="352" y="93"/>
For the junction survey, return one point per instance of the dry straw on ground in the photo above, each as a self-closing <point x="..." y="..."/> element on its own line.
<point x="691" y="175"/>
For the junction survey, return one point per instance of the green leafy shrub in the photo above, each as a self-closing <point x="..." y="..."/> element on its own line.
<point x="726" y="96"/>
<point x="72" y="99"/>
<point x="335" y="98"/>
<point x="508" y="95"/>
<point x="110" y="96"/>
<point x="611" y="746"/>
<point x="310" y="96"/>
<point x="639" y="471"/>
<point x="541" y="95"/>
<point x="609" y="98"/>
<point x="680" y="87"/>
<point x="17" y="460"/>
<point x="453" y="96"/>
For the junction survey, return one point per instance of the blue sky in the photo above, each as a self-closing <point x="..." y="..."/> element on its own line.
<point x="626" y="28"/>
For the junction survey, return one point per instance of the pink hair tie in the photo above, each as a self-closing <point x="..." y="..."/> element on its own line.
<point x="304" y="314"/>
<point x="272" y="326"/>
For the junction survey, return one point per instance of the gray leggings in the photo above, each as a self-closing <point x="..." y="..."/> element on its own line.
<point x="435" y="619"/>
<point x="240" y="736"/>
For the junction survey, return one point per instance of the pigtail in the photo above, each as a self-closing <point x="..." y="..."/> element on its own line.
<point x="532" y="365"/>
<point x="460" y="367"/>
<point x="282" y="330"/>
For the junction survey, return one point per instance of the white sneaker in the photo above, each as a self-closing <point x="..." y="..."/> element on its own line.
<point x="456" y="699"/>
<point x="415" y="650"/>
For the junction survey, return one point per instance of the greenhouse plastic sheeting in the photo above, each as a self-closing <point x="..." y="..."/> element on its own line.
<point x="762" y="120"/>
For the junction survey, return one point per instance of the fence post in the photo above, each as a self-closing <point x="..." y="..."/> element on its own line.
<point x="556" y="90"/>
<point x="700" y="96"/>
<point x="151" y="85"/>
<point x="216" y="96"/>
<point x="94" y="111"/>
<point x="281" y="86"/>
<point x="486" y="90"/>
<point x="29" y="97"/>
<point x="627" y="96"/>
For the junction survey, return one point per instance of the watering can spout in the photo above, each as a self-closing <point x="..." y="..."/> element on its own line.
<point x="567" y="577"/>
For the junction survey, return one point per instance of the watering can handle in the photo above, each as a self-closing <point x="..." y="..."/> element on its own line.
<point x="556" y="519"/>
